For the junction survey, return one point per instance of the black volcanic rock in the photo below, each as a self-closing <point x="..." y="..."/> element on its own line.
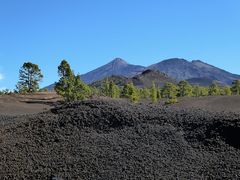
<point x="146" y="78"/>
<point x="114" y="139"/>
<point x="117" y="67"/>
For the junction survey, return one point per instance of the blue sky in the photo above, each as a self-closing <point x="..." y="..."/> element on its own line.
<point x="90" y="33"/>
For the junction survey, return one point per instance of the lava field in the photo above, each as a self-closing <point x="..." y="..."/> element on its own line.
<point x="114" y="139"/>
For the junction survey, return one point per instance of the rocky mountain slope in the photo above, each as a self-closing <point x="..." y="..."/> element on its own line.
<point x="117" y="67"/>
<point x="182" y="69"/>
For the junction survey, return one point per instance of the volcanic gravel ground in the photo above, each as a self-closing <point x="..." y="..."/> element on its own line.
<point x="211" y="103"/>
<point x="109" y="139"/>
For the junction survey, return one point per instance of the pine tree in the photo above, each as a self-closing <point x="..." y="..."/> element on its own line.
<point x="95" y="91"/>
<point x="131" y="92"/>
<point x="145" y="93"/>
<point x="114" y="91"/>
<point x="106" y="88"/>
<point x="29" y="77"/>
<point x="236" y="87"/>
<point x="226" y="91"/>
<point x="135" y="97"/>
<point x="196" y="91"/>
<point x="159" y="94"/>
<point x="69" y="86"/>
<point x="214" y="90"/>
<point x="126" y="91"/>
<point x="203" y="91"/>
<point x="169" y="92"/>
<point x="80" y="90"/>
<point x="185" y="89"/>
<point x="153" y="93"/>
<point x="200" y="91"/>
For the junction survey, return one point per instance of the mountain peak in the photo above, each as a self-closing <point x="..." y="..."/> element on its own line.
<point x="117" y="66"/>
<point x="175" y="60"/>
<point x="197" y="61"/>
<point x="118" y="61"/>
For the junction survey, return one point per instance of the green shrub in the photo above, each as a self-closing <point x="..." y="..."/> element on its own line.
<point x="171" y="101"/>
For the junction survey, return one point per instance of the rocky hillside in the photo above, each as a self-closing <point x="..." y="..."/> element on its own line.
<point x="117" y="67"/>
<point x="182" y="69"/>
<point x="144" y="79"/>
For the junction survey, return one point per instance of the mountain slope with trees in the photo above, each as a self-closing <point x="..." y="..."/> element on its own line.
<point x="143" y="80"/>
<point x="195" y="72"/>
